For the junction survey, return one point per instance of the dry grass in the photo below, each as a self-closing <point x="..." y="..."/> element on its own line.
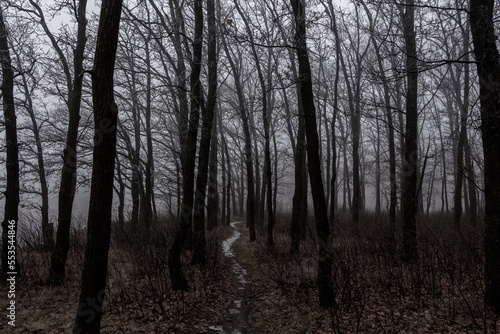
<point x="138" y="296"/>
<point x="375" y="291"/>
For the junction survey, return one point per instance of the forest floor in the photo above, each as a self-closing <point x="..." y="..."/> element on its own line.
<point x="248" y="288"/>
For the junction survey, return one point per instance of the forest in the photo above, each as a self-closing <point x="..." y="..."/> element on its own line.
<point x="264" y="166"/>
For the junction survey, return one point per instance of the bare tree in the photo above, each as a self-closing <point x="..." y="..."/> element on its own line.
<point x="248" y="141"/>
<point x="68" y="175"/>
<point x="206" y="138"/>
<point x="324" y="278"/>
<point x="28" y="88"/>
<point x="410" y="162"/>
<point x="179" y="282"/>
<point x="95" y="266"/>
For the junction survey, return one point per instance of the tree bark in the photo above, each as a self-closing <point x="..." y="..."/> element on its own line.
<point x="464" y="110"/>
<point x="10" y="222"/>
<point x="177" y="278"/>
<point x="68" y="175"/>
<point x="213" y="192"/>
<point x="206" y="137"/>
<point x="324" y="278"/>
<point x="410" y="161"/>
<point x="88" y="318"/>
<point x="488" y="67"/>
<point x="146" y="208"/>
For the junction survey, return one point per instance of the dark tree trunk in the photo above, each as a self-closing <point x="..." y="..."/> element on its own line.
<point x="10" y="222"/>
<point x="488" y="66"/>
<point x="223" y="185"/>
<point x="410" y="162"/>
<point x="213" y="192"/>
<point x="68" y="176"/>
<point x="227" y="219"/>
<point x="324" y="279"/>
<point x="300" y="190"/>
<point x="206" y="137"/>
<point x="88" y="318"/>
<point x="333" y="181"/>
<point x="464" y="110"/>
<point x="179" y="282"/>
<point x="472" y="185"/>
<point x="147" y="210"/>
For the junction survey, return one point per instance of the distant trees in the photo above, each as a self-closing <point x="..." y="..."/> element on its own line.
<point x="88" y="318"/>
<point x="243" y="112"/>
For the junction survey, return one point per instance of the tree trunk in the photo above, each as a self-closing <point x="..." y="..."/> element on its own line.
<point x="464" y="110"/>
<point x="147" y="210"/>
<point x="471" y="176"/>
<point x="213" y="191"/>
<point x="88" y="318"/>
<point x="177" y="278"/>
<point x="47" y="227"/>
<point x="299" y="191"/>
<point x="324" y="278"/>
<point x="206" y="137"/>
<point x="487" y="61"/>
<point x="10" y="222"/>
<point x="68" y="176"/>
<point x="299" y="200"/>
<point x="410" y="162"/>
<point x="333" y="181"/>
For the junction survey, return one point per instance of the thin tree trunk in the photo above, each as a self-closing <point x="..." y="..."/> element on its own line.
<point x="299" y="200"/>
<point x="213" y="192"/>
<point x="47" y="227"/>
<point x="177" y="278"/>
<point x="464" y="110"/>
<point x="471" y="176"/>
<point x="147" y="210"/>
<point x="199" y="256"/>
<point x="324" y="278"/>
<point x="67" y="186"/>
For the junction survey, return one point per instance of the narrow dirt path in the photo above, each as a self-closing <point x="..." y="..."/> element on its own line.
<point x="236" y="319"/>
<point x="258" y="306"/>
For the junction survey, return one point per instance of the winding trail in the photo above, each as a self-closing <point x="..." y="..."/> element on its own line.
<point x="236" y="319"/>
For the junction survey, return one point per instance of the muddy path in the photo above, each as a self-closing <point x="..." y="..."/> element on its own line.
<point x="236" y="319"/>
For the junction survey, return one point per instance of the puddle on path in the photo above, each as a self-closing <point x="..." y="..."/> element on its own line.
<point x="236" y="319"/>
